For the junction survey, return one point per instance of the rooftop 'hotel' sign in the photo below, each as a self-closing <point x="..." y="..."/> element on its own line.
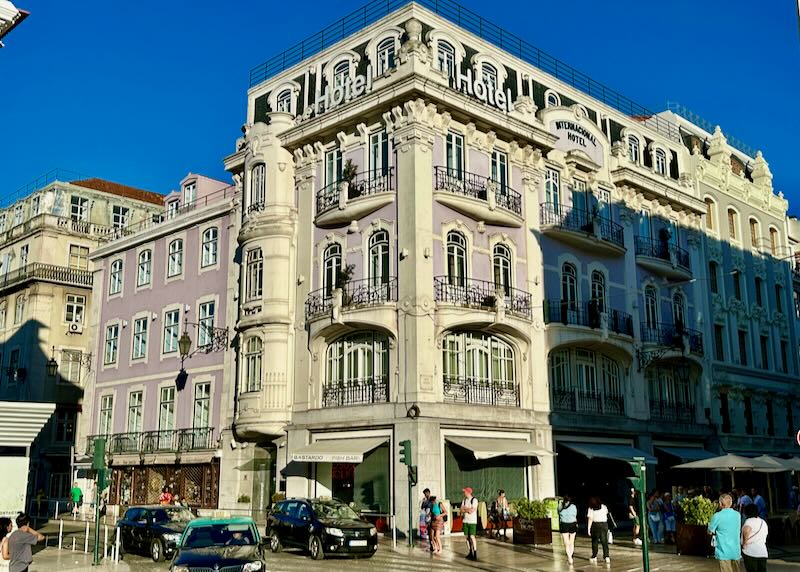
<point x="572" y="135"/>
<point x="481" y="90"/>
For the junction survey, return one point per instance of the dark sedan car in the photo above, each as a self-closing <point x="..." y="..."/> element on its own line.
<point x="223" y="544"/>
<point x="155" y="529"/>
<point x="323" y="527"/>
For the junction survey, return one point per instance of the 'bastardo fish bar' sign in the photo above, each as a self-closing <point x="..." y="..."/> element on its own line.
<point x="572" y="135"/>
<point x="326" y="458"/>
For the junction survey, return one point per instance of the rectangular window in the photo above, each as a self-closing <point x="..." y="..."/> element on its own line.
<point x="189" y="193"/>
<point x="455" y="155"/>
<point x="166" y="409"/>
<point x="644" y="224"/>
<point x="205" y="335"/>
<point x="119" y="216"/>
<point x="255" y="274"/>
<point x="784" y="357"/>
<point x="24" y="250"/>
<point x="770" y="418"/>
<point x="210" y="247"/>
<point x="202" y="405"/>
<point x="743" y="347"/>
<point x="748" y="415"/>
<point x="172" y="209"/>
<point x="135" y="402"/>
<point x="106" y="414"/>
<point x="333" y="167"/>
<point x="65" y="426"/>
<point x="500" y="169"/>
<point x="19" y="309"/>
<point x="378" y="154"/>
<point x="78" y="208"/>
<point x="736" y="277"/>
<point x="779" y="298"/>
<point x="112" y="344"/>
<point x="724" y="413"/>
<point x="754" y="233"/>
<point x="145" y="267"/>
<point x="764" y="342"/>
<point x="719" y="342"/>
<point x="139" y="338"/>
<point x="175" y="261"/>
<point x="732" y="223"/>
<point x="759" y="295"/>
<point x="35" y="205"/>
<point x="13" y="366"/>
<point x="171" y="330"/>
<point x="78" y="256"/>
<point x="18" y="213"/>
<point x="712" y="277"/>
<point x="69" y="370"/>
<point x="74" y="309"/>
<point x="552" y="188"/>
<point x="59" y="485"/>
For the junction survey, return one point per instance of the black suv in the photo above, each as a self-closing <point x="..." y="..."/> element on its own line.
<point x="323" y="527"/>
<point x="155" y="529"/>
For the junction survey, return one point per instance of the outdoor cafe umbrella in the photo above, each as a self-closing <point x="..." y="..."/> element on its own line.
<point x="778" y="465"/>
<point x="729" y="462"/>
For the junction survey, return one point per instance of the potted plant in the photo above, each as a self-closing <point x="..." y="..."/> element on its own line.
<point x="349" y="177"/>
<point x="692" y="534"/>
<point x="531" y="522"/>
<point x="343" y="277"/>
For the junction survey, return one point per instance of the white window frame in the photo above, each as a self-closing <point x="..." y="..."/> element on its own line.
<point x="74" y="308"/>
<point x="210" y="247"/>
<point x="206" y="316"/>
<point x="171" y="332"/>
<point x="135" y="417"/>
<point x="201" y="405"/>
<point x="111" y="347"/>
<point x="254" y="277"/>
<point x="141" y="328"/>
<point x="190" y="193"/>
<point x="105" y="419"/>
<point x="551" y="99"/>
<point x="175" y="258"/>
<point x="78" y="208"/>
<point x="144" y="268"/>
<point x="115" y="277"/>
<point x="253" y="364"/>
<point x="120" y="216"/>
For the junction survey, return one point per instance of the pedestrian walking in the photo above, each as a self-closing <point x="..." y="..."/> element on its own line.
<point x="500" y="513"/>
<point x="754" y="540"/>
<point x="633" y="514"/>
<point x="19" y="544"/>
<point x="5" y="530"/>
<point x="469" y="522"/>
<point x="438" y="518"/>
<point x="76" y="499"/>
<point x="726" y="527"/>
<point x="597" y="524"/>
<point x="568" y="525"/>
<point x="425" y="517"/>
<point x="759" y="501"/>
<point x="654" y="517"/>
<point x="669" y="518"/>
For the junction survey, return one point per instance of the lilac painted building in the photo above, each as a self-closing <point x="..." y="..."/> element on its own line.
<point x="167" y="277"/>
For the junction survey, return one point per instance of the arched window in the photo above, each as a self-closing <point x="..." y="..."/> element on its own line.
<point x="385" y="55"/>
<point x="633" y="149"/>
<point x="284" y="101"/>
<point x="501" y="258"/>
<point x="651" y="312"/>
<point x="379" y="258"/>
<point x="456" y="258"/>
<point x="144" y="269"/>
<point x="331" y="267"/>
<point x="115" y="278"/>
<point x="474" y="360"/>
<point x="713" y="279"/>
<point x="552" y="188"/>
<point x="710" y="213"/>
<point x="446" y="58"/>
<point x="661" y="162"/>
<point x="679" y="311"/>
<point x="552" y="99"/>
<point x="569" y="286"/>
<point x="489" y="77"/>
<point x="774" y="241"/>
<point x="755" y="233"/>
<point x="175" y="263"/>
<point x="258" y="189"/>
<point x="340" y="73"/>
<point x="732" y="224"/>
<point x="357" y="370"/>
<point x="253" y="350"/>
<point x="599" y="290"/>
<point x="210" y="247"/>
<point x="254" y="280"/>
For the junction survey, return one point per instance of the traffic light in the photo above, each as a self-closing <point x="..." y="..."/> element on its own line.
<point x="405" y="452"/>
<point x="412" y="475"/>
<point x="99" y="456"/>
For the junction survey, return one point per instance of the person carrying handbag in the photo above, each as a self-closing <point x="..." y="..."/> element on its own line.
<point x="655" y="518"/>
<point x="754" y="540"/>
<point x="597" y="525"/>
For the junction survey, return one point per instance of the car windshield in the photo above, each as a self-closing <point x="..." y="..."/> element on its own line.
<point x="167" y="515"/>
<point x="334" y="510"/>
<point x="219" y="535"/>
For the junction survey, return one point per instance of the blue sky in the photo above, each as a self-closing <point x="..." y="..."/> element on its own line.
<point x="144" y="92"/>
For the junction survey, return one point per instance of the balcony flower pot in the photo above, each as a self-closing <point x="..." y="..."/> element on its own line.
<point x="692" y="536"/>
<point x="531" y="523"/>
<point x="489" y="301"/>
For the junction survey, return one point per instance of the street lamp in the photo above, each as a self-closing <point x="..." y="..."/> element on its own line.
<point x="217" y="338"/>
<point x="52" y="364"/>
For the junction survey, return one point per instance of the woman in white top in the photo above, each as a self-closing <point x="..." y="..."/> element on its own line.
<point x="754" y="540"/>
<point x="598" y="528"/>
<point x="5" y="531"/>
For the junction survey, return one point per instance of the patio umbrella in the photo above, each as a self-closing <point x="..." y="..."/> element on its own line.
<point x="778" y="466"/>
<point x="728" y="462"/>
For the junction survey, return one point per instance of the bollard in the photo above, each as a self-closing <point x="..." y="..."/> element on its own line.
<point x="116" y="548"/>
<point x="73" y="544"/>
<point x="56" y="515"/>
<point x="105" y="542"/>
<point x="86" y="539"/>
<point x="60" y="533"/>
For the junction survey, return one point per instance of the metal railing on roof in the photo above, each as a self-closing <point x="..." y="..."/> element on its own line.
<point x="706" y="125"/>
<point x="470" y="21"/>
<point x="53" y="175"/>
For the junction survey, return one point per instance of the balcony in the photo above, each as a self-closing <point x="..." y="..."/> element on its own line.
<point x="480" y="391"/>
<point x="671" y="411"/>
<point x="672" y="335"/>
<point x="480" y="198"/>
<point x="354" y="294"/>
<point x="587" y="314"/>
<point x="344" y="201"/>
<point x="45" y="220"/>
<point x="482" y="295"/>
<point x="577" y="400"/>
<point x="584" y="229"/>
<point x="663" y="257"/>
<point x="356" y="392"/>
<point x="165" y="441"/>
<point x="38" y="271"/>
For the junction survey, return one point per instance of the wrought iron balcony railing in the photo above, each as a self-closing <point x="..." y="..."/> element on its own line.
<point x="587" y="314"/>
<point x="168" y="440"/>
<point x="46" y="273"/>
<point x="580" y="401"/>
<point x="672" y="411"/>
<point x="671" y="335"/>
<point x="579" y="220"/>
<point x="663" y="250"/>
<point x="477" y="187"/>
<point x="356" y="391"/>
<point x="480" y="391"/>
<point x="355" y="293"/>
<point x="472" y="293"/>
<point x="363" y="185"/>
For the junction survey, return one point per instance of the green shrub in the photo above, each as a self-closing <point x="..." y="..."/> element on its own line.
<point x="529" y="509"/>
<point x="698" y="510"/>
<point x="278" y="497"/>
<point x="243" y="498"/>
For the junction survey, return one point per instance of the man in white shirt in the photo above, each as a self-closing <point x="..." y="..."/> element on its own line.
<point x="469" y="512"/>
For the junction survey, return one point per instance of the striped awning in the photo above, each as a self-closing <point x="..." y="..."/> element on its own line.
<point x="21" y="422"/>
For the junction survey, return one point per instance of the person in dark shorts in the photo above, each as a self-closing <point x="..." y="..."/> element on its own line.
<point x="469" y="512"/>
<point x="568" y="525"/>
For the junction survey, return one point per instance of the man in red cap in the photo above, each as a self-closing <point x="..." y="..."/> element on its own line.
<point x="469" y="512"/>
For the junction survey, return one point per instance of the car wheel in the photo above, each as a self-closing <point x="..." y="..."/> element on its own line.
<point x="315" y="548"/>
<point x="157" y="551"/>
<point x="275" y="542"/>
